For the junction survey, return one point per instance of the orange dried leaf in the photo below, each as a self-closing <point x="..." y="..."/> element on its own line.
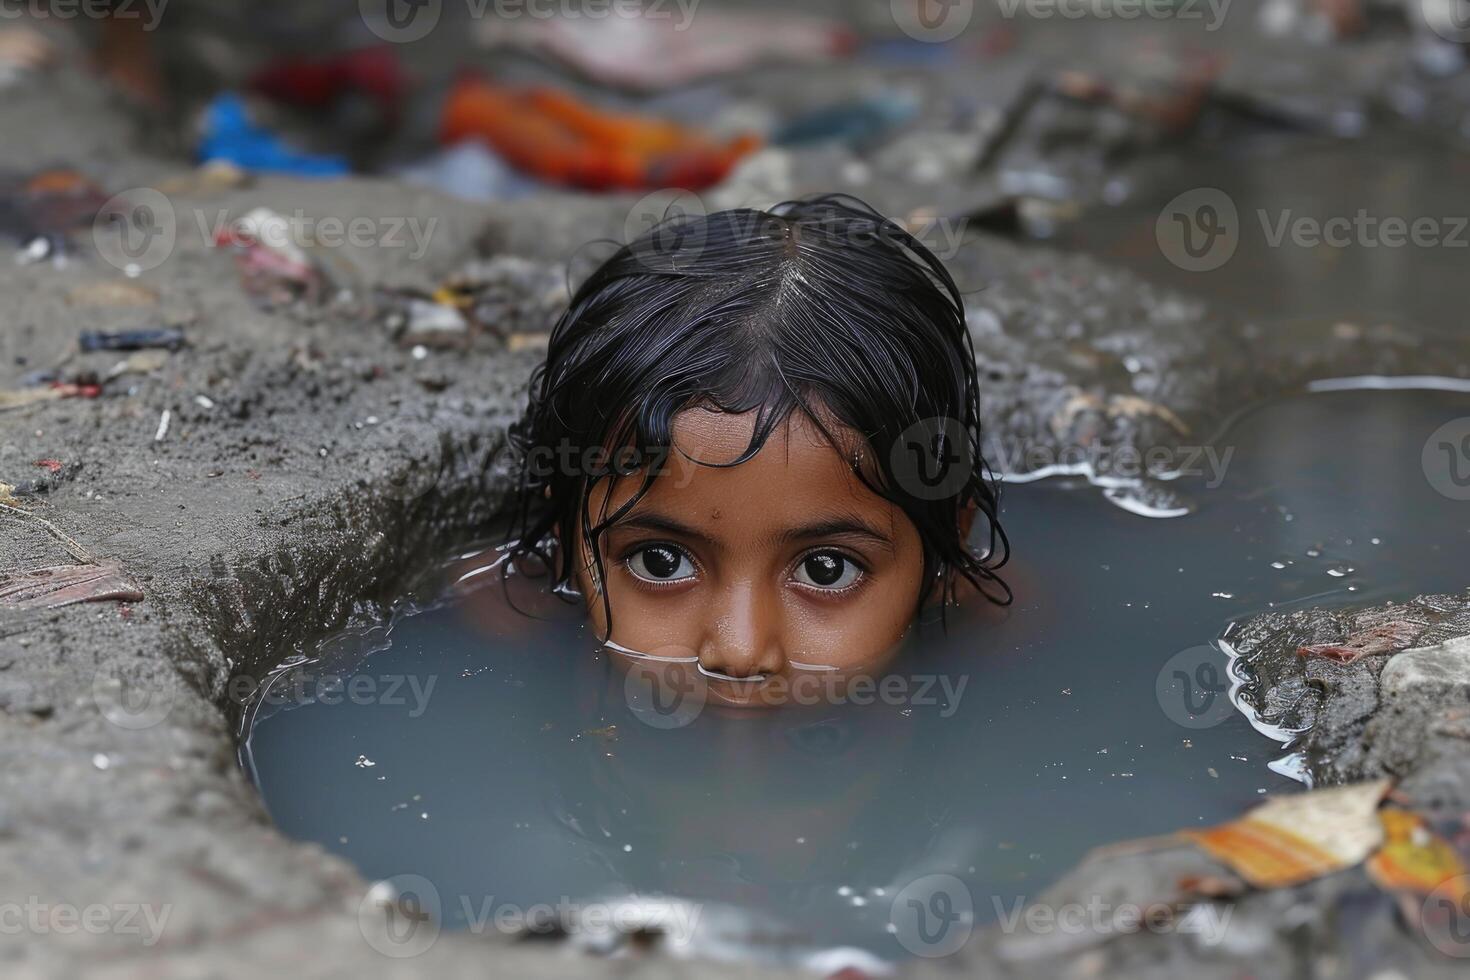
<point x="1413" y="857"/>
<point x="1291" y="839"/>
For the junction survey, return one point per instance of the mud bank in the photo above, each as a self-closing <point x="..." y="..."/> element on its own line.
<point x="281" y="474"/>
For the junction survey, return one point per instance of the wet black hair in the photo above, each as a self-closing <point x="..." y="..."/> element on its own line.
<point x="821" y="306"/>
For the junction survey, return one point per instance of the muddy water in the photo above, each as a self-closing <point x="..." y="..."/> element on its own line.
<point x="509" y="763"/>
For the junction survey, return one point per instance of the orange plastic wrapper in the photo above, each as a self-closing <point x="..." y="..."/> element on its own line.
<point x="1291" y="839"/>
<point x="551" y="135"/>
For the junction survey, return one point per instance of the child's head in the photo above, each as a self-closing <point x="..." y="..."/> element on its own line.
<point x="756" y="441"/>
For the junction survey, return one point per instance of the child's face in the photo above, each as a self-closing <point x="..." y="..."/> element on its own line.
<point x="780" y="564"/>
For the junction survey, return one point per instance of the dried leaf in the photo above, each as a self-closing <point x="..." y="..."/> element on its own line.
<point x="1386" y="638"/>
<point x="65" y="585"/>
<point x="1413" y="857"/>
<point x="1291" y="839"/>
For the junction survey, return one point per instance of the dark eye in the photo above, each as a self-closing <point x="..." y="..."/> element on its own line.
<point x="827" y="570"/>
<point x="660" y="563"/>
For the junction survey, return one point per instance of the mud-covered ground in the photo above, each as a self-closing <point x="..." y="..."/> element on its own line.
<point x="280" y="474"/>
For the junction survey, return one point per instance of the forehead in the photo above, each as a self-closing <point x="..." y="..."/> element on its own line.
<point x="797" y="472"/>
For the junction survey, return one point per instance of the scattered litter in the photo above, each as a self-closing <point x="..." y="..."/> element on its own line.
<point x="857" y="124"/>
<point x="52" y="466"/>
<point x="1384" y="638"/>
<point x="652" y="53"/>
<point x="131" y="340"/>
<point x="550" y="134"/>
<point x="65" y="585"/>
<point x="472" y="171"/>
<point x="204" y="402"/>
<point x="38" y="211"/>
<point x="143" y="362"/>
<point x="518" y="342"/>
<point x="163" y="421"/>
<point x="211" y="177"/>
<point x="274" y="269"/>
<point x="1291" y="839"/>
<point x="53" y="392"/>
<point x="230" y="136"/>
<point x="320" y="83"/>
<point x="22" y="52"/>
<point x="432" y="324"/>
<point x="112" y="292"/>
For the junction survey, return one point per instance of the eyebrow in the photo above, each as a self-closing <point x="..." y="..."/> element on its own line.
<point x="845" y="525"/>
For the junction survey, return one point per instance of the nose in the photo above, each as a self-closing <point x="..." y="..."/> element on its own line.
<point x="743" y="638"/>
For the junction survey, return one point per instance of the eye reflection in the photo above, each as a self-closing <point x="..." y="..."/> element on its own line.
<point x="660" y="563"/>
<point x="827" y="570"/>
<point x="820" y="740"/>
